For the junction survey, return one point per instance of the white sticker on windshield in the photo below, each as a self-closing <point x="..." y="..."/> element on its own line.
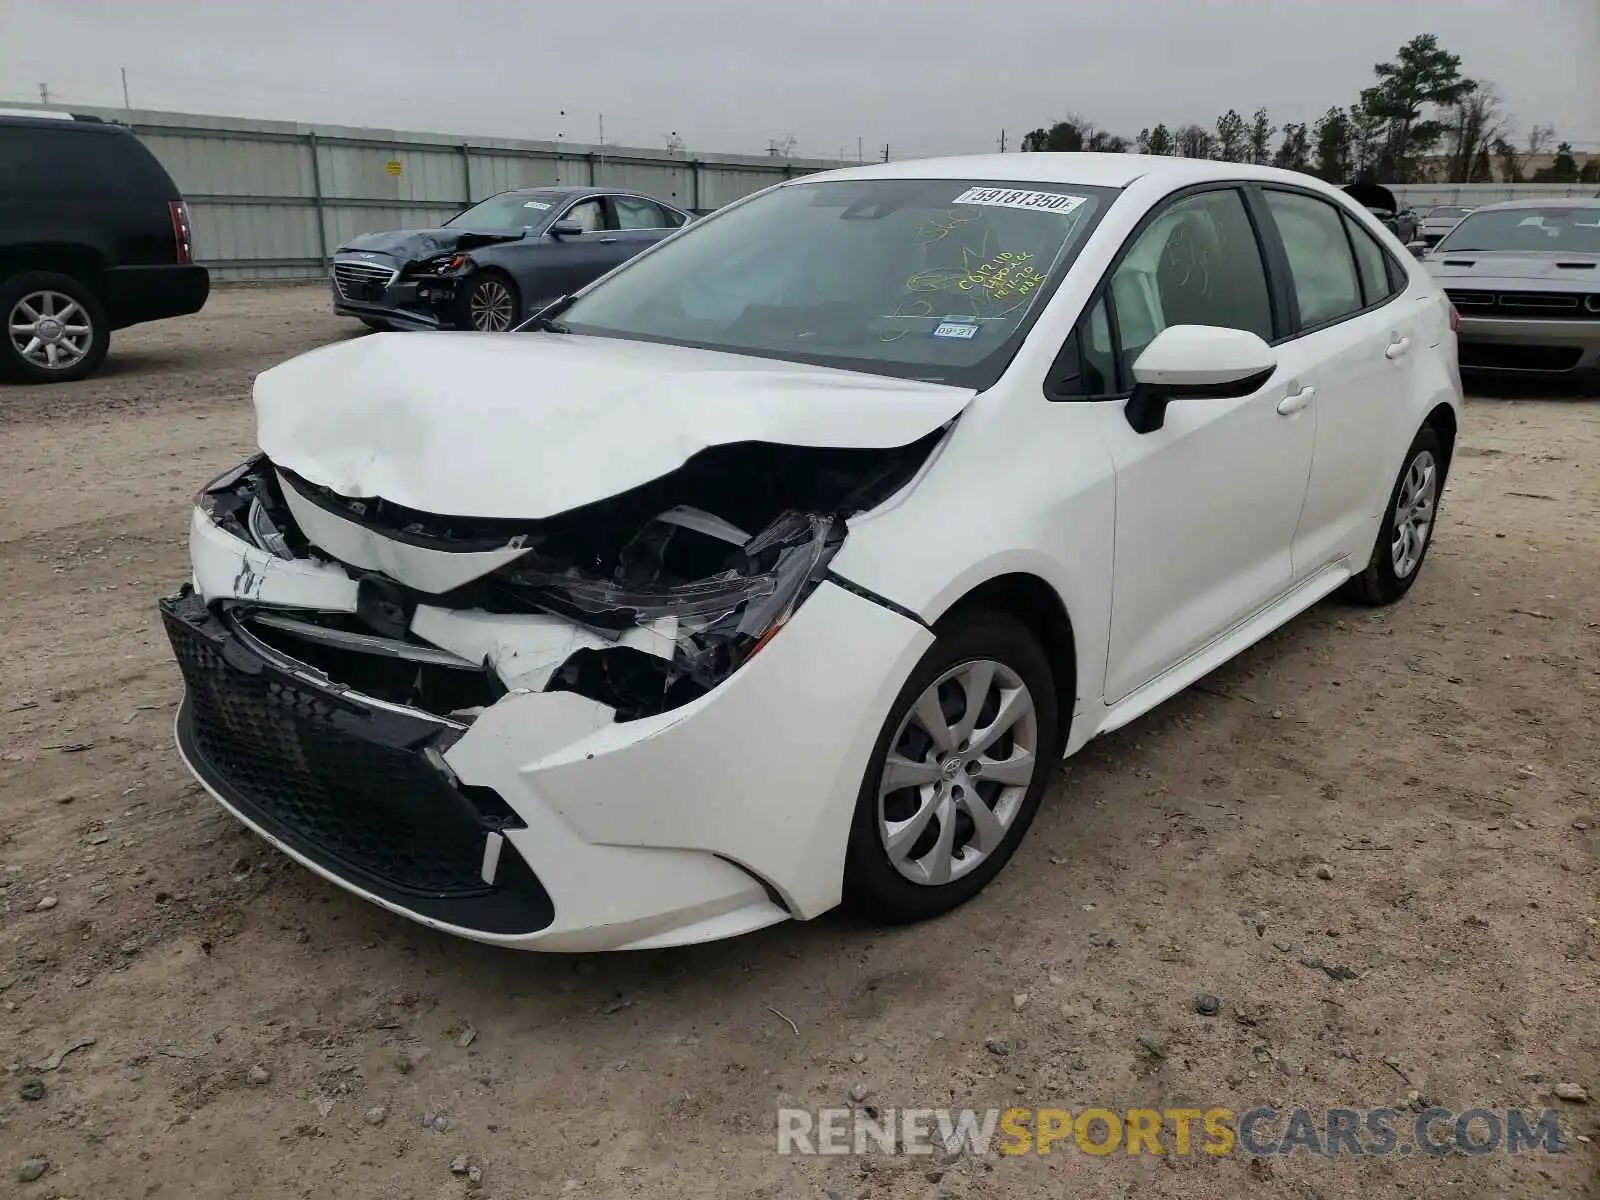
<point x="539" y="204"/>
<point x="1055" y="202"/>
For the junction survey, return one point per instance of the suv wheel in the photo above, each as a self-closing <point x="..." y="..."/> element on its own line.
<point x="55" y="328"/>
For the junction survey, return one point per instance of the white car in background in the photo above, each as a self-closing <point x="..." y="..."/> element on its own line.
<point x="780" y="566"/>
<point x="1437" y="222"/>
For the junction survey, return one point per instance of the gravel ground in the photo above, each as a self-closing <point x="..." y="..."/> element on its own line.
<point x="255" y="1032"/>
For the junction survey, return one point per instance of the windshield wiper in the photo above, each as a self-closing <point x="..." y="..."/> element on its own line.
<point x="545" y="318"/>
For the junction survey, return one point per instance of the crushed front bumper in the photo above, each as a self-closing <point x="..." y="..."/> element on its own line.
<point x="403" y="303"/>
<point x="712" y="819"/>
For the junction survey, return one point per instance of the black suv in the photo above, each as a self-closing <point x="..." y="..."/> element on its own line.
<point x="94" y="236"/>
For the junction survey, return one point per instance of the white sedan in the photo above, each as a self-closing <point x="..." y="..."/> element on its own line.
<point x="778" y="567"/>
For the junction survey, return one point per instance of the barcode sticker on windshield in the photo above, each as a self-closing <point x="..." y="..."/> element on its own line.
<point x="1055" y="202"/>
<point x="539" y="204"/>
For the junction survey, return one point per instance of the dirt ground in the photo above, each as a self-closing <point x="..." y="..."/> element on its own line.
<point x="1441" y="757"/>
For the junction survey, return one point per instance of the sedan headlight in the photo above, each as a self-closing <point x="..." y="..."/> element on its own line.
<point x="708" y="627"/>
<point x="244" y="500"/>
<point x="445" y="264"/>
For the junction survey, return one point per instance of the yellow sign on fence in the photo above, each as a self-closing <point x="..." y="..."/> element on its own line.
<point x="394" y="167"/>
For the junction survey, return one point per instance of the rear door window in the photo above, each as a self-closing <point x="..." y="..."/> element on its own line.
<point x="634" y="212"/>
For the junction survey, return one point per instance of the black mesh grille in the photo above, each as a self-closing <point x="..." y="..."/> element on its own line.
<point x="332" y="775"/>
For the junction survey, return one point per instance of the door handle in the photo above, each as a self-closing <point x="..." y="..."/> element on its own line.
<point x="1397" y="348"/>
<point x="1295" y="401"/>
<point x="607" y="241"/>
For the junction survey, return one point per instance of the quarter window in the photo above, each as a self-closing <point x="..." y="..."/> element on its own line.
<point x="1321" y="265"/>
<point x="1372" y="262"/>
<point x="1197" y="263"/>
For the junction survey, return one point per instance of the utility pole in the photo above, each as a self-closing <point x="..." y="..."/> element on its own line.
<point x="886" y="152"/>
<point x="1002" y="141"/>
<point x="859" y="158"/>
<point x="44" y="93"/>
<point x="125" y="103"/>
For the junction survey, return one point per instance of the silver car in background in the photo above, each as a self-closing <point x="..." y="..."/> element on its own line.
<point x="1524" y="277"/>
<point x="1437" y="222"/>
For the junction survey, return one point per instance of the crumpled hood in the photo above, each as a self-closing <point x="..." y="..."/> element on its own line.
<point x="414" y="245"/>
<point x="1499" y="265"/>
<point x="528" y="425"/>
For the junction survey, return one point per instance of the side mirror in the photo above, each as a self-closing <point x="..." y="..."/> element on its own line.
<point x="1418" y="249"/>
<point x="563" y="229"/>
<point x="1186" y="362"/>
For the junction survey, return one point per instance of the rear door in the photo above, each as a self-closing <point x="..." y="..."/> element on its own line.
<point x="639" y="222"/>
<point x="1358" y="336"/>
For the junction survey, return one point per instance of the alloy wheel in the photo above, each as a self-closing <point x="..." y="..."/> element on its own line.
<point x="50" y="330"/>
<point x="957" y="772"/>
<point x="1413" y="514"/>
<point x="492" y="307"/>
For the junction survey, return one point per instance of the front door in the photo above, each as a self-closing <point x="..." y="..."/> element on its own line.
<point x="567" y="262"/>
<point x="1206" y="505"/>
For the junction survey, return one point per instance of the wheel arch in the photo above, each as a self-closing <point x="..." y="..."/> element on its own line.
<point x="1443" y="421"/>
<point x="83" y="263"/>
<point x="1033" y="601"/>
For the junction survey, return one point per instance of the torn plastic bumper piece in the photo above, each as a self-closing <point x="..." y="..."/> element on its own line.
<point x="358" y="789"/>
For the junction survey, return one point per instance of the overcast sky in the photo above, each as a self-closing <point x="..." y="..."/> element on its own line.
<point x="925" y="76"/>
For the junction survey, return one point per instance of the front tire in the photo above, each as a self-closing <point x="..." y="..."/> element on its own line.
<point x="1408" y="524"/>
<point x="490" y="304"/>
<point x="956" y="775"/>
<point x="55" y="328"/>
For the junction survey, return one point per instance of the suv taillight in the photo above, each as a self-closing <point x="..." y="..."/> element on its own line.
<point x="181" y="233"/>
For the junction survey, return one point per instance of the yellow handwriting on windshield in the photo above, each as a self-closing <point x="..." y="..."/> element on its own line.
<point x="936" y="229"/>
<point x="1005" y="275"/>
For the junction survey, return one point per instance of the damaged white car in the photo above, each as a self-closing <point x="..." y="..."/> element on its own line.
<point x="779" y="566"/>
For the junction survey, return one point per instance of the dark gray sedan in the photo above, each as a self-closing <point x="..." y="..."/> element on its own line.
<point x="498" y="261"/>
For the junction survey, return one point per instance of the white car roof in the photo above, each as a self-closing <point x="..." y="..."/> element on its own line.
<point x="1090" y="170"/>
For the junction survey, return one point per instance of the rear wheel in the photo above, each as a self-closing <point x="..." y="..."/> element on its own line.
<point x="1408" y="522"/>
<point x="490" y="304"/>
<point x="957" y="774"/>
<point x="55" y="328"/>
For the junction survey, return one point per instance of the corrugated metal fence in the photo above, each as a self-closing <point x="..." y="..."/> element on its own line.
<point x="1470" y="195"/>
<point x="273" y="199"/>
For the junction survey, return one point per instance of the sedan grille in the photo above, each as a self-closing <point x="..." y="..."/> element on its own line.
<point x="1561" y="306"/>
<point x="363" y="282"/>
<point x="328" y="775"/>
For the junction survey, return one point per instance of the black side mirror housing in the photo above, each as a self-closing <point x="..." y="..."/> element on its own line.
<point x="566" y="229"/>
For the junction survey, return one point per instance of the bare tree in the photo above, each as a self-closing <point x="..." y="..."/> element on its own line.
<point x="1194" y="141"/>
<point x="1476" y="123"/>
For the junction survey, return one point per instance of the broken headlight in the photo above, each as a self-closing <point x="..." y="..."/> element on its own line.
<point x="244" y="501"/>
<point x="706" y="627"/>
<point x="444" y="264"/>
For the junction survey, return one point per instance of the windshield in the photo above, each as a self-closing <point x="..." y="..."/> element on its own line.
<point x="933" y="279"/>
<point x="509" y="212"/>
<point x="1561" y="230"/>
